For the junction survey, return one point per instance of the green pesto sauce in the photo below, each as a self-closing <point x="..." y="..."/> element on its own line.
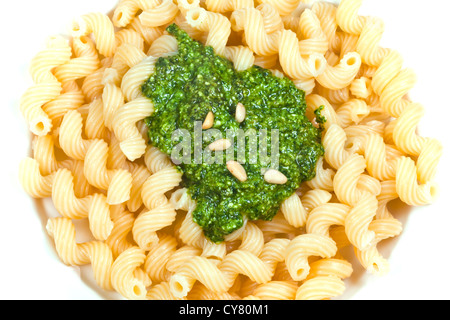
<point x="186" y="87"/>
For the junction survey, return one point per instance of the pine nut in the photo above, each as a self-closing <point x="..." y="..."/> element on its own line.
<point x="237" y="170"/>
<point x="221" y="144"/>
<point x="274" y="177"/>
<point x="240" y="112"/>
<point x="209" y="121"/>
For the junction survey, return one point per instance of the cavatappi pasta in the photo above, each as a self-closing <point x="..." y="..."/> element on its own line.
<point x="91" y="154"/>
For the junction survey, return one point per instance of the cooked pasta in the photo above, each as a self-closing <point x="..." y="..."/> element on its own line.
<point x="125" y="275"/>
<point x="46" y="86"/>
<point x="93" y="157"/>
<point x="159" y="15"/>
<point x="118" y="238"/>
<point x="112" y="97"/>
<point x="116" y="181"/>
<point x="71" y="98"/>
<point x="160" y="212"/>
<point x="92" y="86"/>
<point x="130" y="37"/>
<point x="274" y="290"/>
<point x="97" y="253"/>
<point x="341" y="75"/>
<point x="33" y="182"/>
<point x="293" y="211"/>
<point x="227" y="5"/>
<point x="126" y="11"/>
<point x="320" y="288"/>
<point x="324" y="216"/>
<point x="303" y="247"/>
<point x="217" y="26"/>
<point x="293" y="63"/>
<point x="71" y="138"/>
<point x="251" y="21"/>
<point x="314" y="38"/>
<point x="102" y="29"/>
<point x="132" y="144"/>
<point x="84" y="63"/>
<point x="158" y="257"/>
<point x="93" y="206"/>
<point x="134" y="78"/>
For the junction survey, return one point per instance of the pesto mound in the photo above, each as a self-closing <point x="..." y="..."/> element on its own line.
<point x="187" y="86"/>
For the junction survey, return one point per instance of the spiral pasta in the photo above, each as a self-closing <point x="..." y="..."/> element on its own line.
<point x="132" y="144"/>
<point x="259" y="41"/>
<point x="159" y="15"/>
<point x="46" y="86"/>
<point x="125" y="276"/>
<point x="93" y="206"/>
<point x="304" y="246"/>
<point x="320" y="288"/>
<point x="227" y="5"/>
<point x="101" y="27"/>
<point x="274" y="290"/>
<point x="33" y="182"/>
<point x="116" y="181"/>
<point x="85" y="61"/>
<point x="118" y="239"/>
<point x="71" y="98"/>
<point x="160" y="211"/>
<point x="97" y="253"/>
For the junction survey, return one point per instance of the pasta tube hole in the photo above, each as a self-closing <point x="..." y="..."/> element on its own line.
<point x="349" y="145"/>
<point x="301" y="273"/>
<point x="318" y="64"/>
<point x="178" y="287"/>
<point x="375" y="268"/>
<point x="137" y="290"/>
<point x="75" y="26"/>
<point x="195" y="15"/>
<point x="84" y="40"/>
<point x="39" y="126"/>
<point x="119" y="16"/>
<point x="351" y="61"/>
<point x="434" y="190"/>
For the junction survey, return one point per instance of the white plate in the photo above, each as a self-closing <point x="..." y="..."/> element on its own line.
<point x="419" y="258"/>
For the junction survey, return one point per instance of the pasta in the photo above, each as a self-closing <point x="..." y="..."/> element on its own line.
<point x="159" y="15"/>
<point x="101" y="27"/>
<point x="94" y="207"/>
<point x="160" y="211"/>
<point x="85" y="61"/>
<point x="97" y="253"/>
<point x="125" y="276"/>
<point x="303" y="247"/>
<point x="46" y="87"/>
<point x="92" y="156"/>
<point x="116" y="181"/>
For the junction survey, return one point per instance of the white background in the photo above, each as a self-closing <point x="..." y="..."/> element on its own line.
<point x="419" y="258"/>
